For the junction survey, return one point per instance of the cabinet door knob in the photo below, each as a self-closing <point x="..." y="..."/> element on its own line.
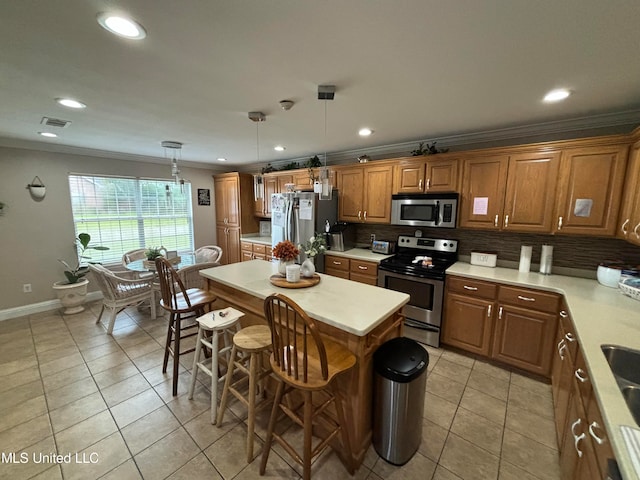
<point x="500" y="313"/>
<point x="359" y="215"/>
<point x="562" y="347"/>
<point x="428" y="183"/>
<point x="623" y="229"/>
<point x="569" y="336"/>
<point x="420" y="184"/>
<point x="506" y="221"/>
<point x="563" y="314"/>
<point x="365" y="215"/>
<point x="577" y="438"/>
<point x="559" y="223"/>
<point x="495" y="221"/>
<point x="635" y="231"/>
<point x="489" y="311"/>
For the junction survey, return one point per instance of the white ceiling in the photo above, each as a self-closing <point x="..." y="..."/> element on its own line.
<point x="408" y="69"/>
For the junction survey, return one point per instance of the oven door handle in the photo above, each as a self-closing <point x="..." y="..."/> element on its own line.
<point x="419" y="325"/>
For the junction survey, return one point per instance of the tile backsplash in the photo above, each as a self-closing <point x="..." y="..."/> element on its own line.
<point x="570" y="251"/>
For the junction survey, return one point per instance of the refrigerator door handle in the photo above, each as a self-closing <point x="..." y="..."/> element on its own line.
<point x="289" y="209"/>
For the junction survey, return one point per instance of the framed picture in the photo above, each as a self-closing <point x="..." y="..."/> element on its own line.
<point x="204" y="196"/>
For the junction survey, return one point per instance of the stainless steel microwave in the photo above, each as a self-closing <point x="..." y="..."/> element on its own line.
<point x="425" y="210"/>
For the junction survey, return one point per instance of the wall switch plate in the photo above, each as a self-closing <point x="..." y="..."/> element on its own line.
<point x="372" y="238"/>
<point x="26" y="288"/>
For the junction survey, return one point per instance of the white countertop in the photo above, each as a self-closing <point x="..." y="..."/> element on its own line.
<point x="255" y="238"/>
<point x="360" y="254"/>
<point x="601" y="315"/>
<point x="350" y="306"/>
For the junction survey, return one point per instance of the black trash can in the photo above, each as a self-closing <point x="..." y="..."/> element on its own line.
<point x="400" y="376"/>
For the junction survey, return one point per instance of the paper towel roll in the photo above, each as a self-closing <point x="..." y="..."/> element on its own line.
<point x="525" y="258"/>
<point x="546" y="259"/>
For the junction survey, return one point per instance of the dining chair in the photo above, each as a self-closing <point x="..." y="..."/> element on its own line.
<point x="132" y="256"/>
<point x="191" y="277"/>
<point x="208" y="253"/>
<point x="119" y="292"/>
<point x="184" y="306"/>
<point x="306" y="364"/>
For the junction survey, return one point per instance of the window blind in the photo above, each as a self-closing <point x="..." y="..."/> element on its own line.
<point x="129" y="213"/>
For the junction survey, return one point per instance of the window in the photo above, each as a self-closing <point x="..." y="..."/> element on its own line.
<point x="130" y="213"/>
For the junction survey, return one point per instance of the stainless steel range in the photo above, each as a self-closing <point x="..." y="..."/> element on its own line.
<point x="418" y="269"/>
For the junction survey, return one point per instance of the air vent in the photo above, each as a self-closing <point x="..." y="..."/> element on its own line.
<point x="55" y="122"/>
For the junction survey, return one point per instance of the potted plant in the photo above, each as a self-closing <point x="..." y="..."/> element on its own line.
<point x="287" y="253"/>
<point x="73" y="291"/>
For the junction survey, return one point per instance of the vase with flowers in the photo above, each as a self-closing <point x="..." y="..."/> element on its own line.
<point x="287" y="253"/>
<point x="312" y="248"/>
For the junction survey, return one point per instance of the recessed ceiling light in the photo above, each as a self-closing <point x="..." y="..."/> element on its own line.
<point x="222" y="159"/>
<point x="279" y="148"/>
<point x="70" y="102"/>
<point x="122" y="26"/>
<point x="365" y="132"/>
<point x="47" y="134"/>
<point x="556" y="95"/>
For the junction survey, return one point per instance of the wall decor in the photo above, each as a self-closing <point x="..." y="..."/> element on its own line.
<point x="37" y="189"/>
<point x="204" y="196"/>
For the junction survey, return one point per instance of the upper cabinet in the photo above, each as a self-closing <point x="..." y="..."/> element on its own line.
<point x="227" y="198"/>
<point x="365" y="193"/>
<point x="418" y="175"/>
<point x="629" y="223"/>
<point x="513" y="192"/>
<point x="590" y="189"/>
<point x="271" y="183"/>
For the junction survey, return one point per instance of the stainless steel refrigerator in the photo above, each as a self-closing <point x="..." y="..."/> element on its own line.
<point x="298" y="216"/>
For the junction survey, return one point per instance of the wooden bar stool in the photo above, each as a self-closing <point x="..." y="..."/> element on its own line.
<point x="248" y="345"/>
<point x="305" y="364"/>
<point x="210" y="327"/>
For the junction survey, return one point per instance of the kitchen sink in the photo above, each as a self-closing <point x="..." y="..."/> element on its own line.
<point x="624" y="363"/>
<point x="632" y="397"/>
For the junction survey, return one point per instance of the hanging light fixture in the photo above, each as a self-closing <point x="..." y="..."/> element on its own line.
<point x="325" y="93"/>
<point x="258" y="189"/>
<point x="175" y="148"/>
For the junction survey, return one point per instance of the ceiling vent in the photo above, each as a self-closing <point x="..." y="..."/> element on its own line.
<point x="55" y="122"/>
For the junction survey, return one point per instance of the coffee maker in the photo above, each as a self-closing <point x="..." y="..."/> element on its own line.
<point x="342" y="237"/>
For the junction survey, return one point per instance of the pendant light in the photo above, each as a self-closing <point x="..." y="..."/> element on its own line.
<point x="258" y="190"/>
<point x="175" y="148"/>
<point x="325" y="93"/>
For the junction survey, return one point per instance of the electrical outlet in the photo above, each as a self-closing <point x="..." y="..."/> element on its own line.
<point x="26" y="288"/>
<point x="372" y="238"/>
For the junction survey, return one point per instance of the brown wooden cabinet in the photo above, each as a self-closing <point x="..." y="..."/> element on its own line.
<point x="629" y="223"/>
<point x="590" y="189"/>
<point x="513" y="192"/>
<point x="365" y="193"/>
<point x="271" y="183"/>
<point x="254" y="251"/>
<point x="515" y="326"/>
<point x="351" y="269"/>
<point x="234" y="207"/>
<point x="418" y="175"/>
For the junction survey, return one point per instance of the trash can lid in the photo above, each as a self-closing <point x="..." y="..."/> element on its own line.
<point x="400" y="359"/>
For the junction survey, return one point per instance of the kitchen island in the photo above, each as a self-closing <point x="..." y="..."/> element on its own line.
<point x="601" y="315"/>
<point x="360" y="317"/>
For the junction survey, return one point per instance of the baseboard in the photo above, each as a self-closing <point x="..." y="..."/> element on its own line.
<point x="40" y="307"/>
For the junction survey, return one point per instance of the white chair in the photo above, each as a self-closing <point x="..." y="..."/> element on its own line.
<point x="208" y="253"/>
<point x="132" y="256"/>
<point x="119" y="292"/>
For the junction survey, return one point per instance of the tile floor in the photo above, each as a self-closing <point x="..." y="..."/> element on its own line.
<point x="68" y="387"/>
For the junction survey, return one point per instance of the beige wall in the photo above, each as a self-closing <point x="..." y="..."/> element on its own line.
<point x="33" y="235"/>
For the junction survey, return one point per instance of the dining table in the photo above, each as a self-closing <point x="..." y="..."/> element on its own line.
<point x="186" y="259"/>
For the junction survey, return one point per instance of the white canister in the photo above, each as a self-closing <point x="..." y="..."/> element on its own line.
<point x="525" y="258"/>
<point x="293" y="273"/>
<point x="546" y="259"/>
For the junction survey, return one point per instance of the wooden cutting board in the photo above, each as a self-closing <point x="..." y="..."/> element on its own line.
<point x="280" y="281"/>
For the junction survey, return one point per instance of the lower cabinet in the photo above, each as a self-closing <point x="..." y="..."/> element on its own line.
<point x="515" y="326"/>
<point x="254" y="251"/>
<point x="228" y="239"/>
<point x="351" y="269"/>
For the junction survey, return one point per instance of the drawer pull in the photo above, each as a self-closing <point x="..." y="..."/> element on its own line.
<point x="526" y="299"/>
<point x="563" y="314"/>
<point x="363" y="268"/>
<point x="467" y="287"/>
<point x="592" y="427"/>
<point x="581" y="375"/>
<point x="336" y="263"/>
<point x="562" y="347"/>
<point x="577" y="438"/>
<point x="570" y="338"/>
